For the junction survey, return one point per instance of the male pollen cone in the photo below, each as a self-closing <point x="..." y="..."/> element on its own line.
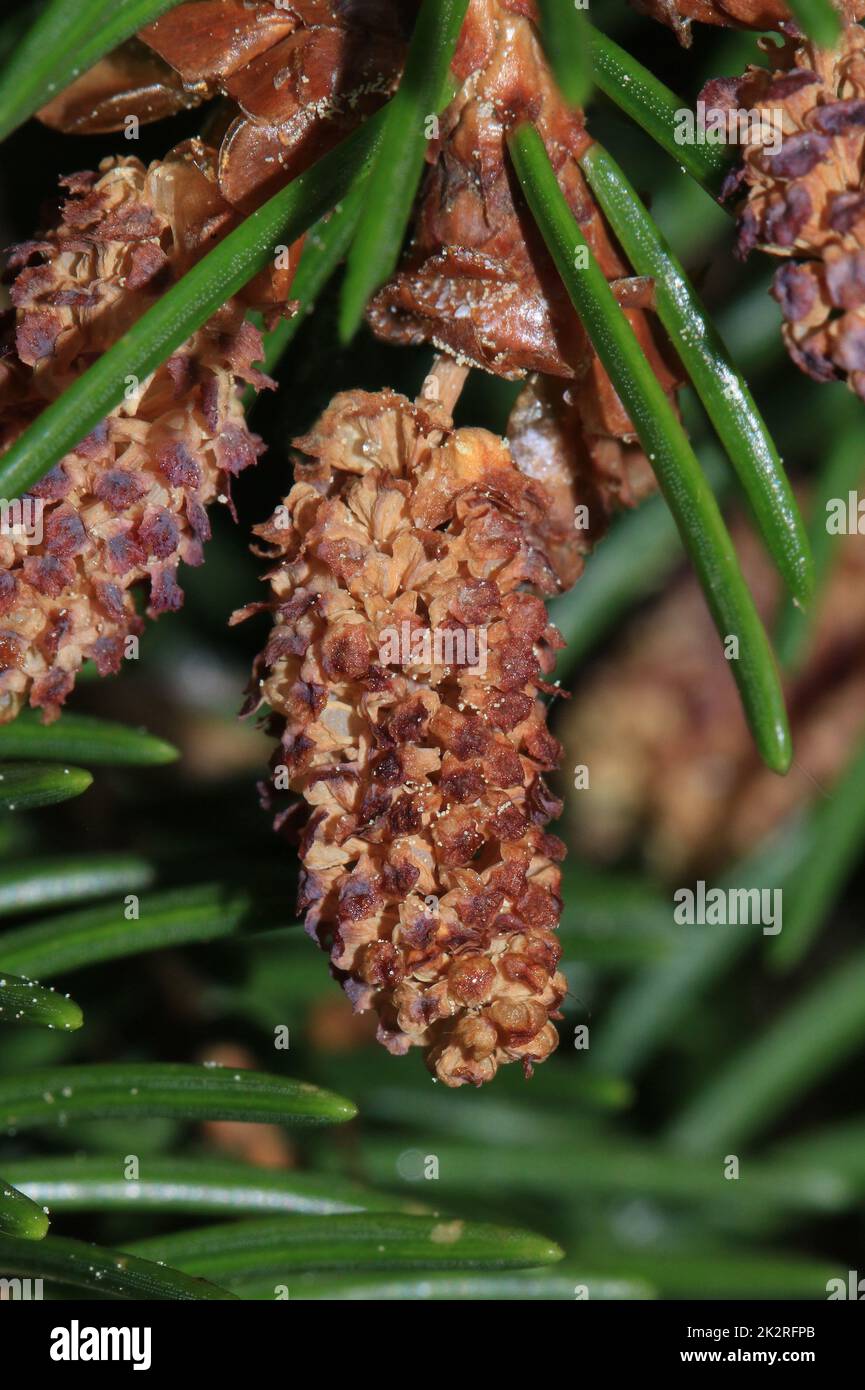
<point x="427" y="868"/>
<point x="129" y="502"/>
<point x="805" y="201"/>
<point x="675" y="777"/>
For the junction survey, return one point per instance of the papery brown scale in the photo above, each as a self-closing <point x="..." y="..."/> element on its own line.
<point x="478" y="281"/>
<point x="295" y="81"/>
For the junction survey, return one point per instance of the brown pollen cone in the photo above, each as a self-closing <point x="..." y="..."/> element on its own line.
<point x="674" y="774"/>
<point x="403" y="674"/>
<point x="129" y="502"/>
<point x="805" y="201"/>
<point x="478" y="282"/>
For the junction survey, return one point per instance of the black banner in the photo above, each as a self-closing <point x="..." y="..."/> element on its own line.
<point x="84" y="1339"/>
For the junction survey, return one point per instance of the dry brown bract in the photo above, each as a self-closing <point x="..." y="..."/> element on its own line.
<point x="129" y="503"/>
<point x="478" y="282"/>
<point x="427" y="868"/>
<point x="806" y="202"/>
<point x="298" y="77"/>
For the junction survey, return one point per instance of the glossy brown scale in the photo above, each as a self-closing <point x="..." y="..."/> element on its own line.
<point x="294" y="81"/>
